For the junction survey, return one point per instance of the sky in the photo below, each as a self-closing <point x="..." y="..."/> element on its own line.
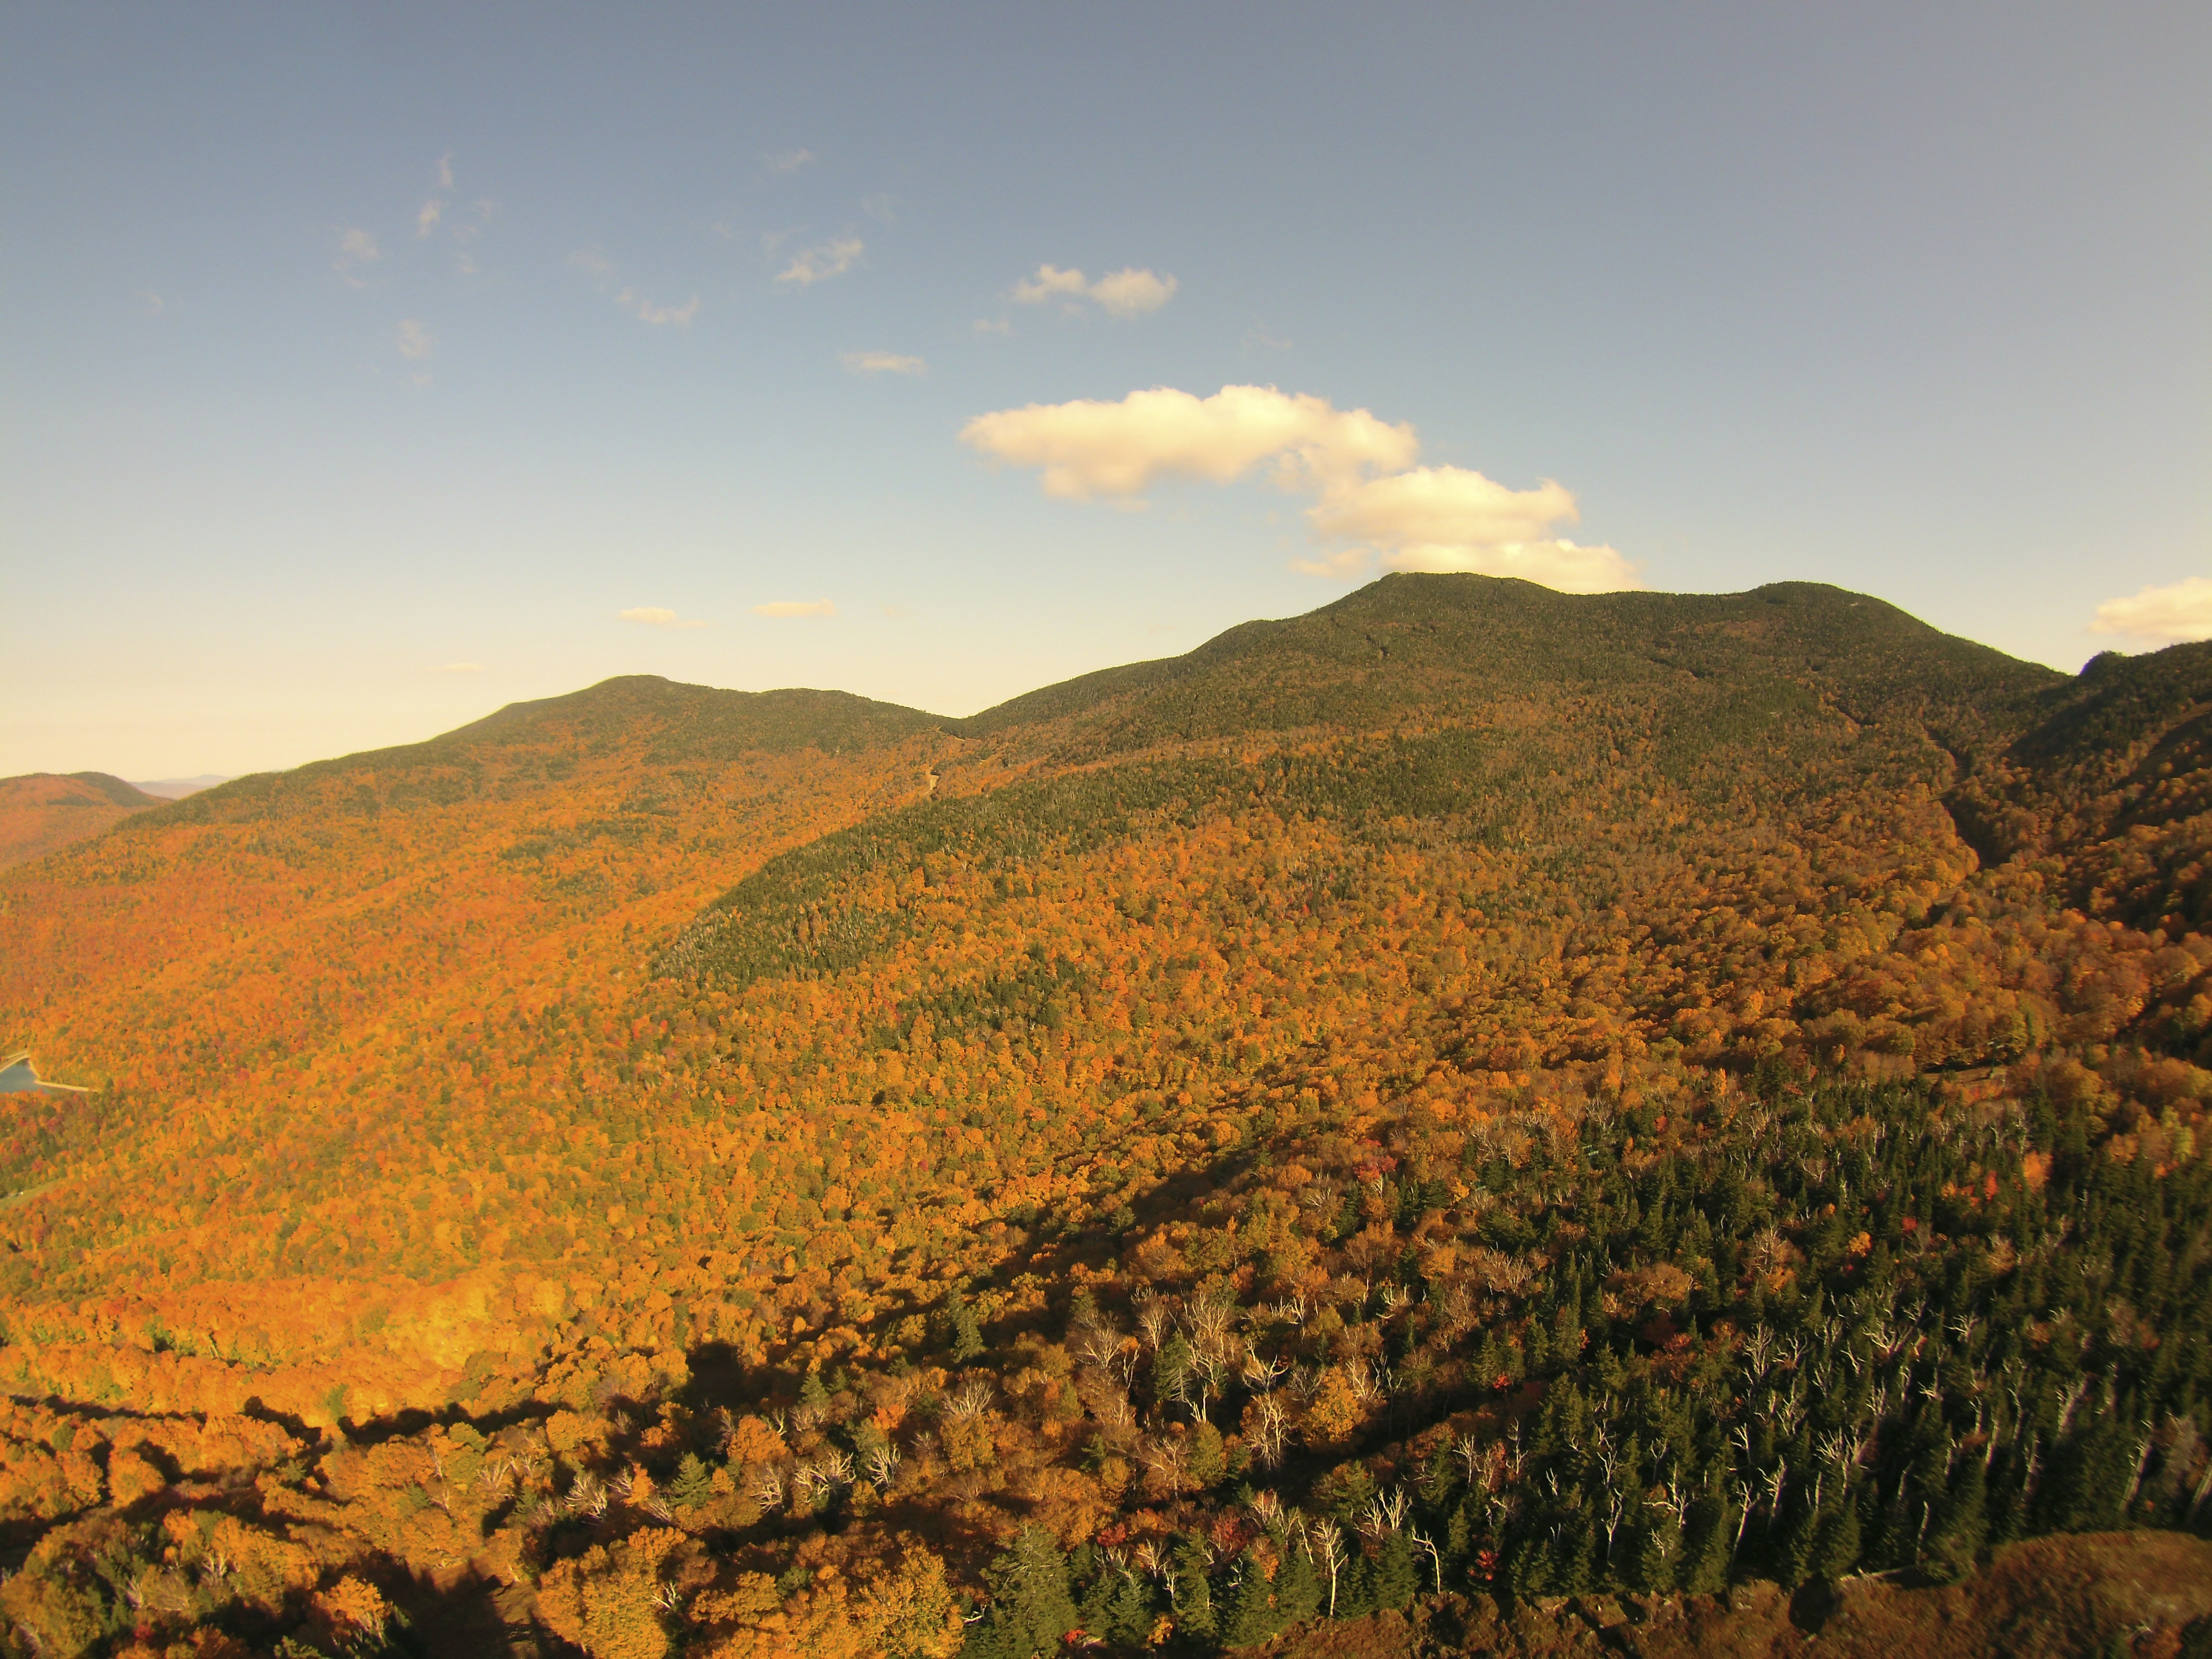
<point x="365" y="368"/>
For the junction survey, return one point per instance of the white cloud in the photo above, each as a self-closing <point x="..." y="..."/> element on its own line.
<point x="1134" y="293"/>
<point x="1125" y="293"/>
<point x="1372" y="504"/>
<point x="413" y="340"/>
<point x="1089" y="449"/>
<point x="1447" y="518"/>
<point x="818" y="264"/>
<point x="994" y="326"/>
<point x="795" y="608"/>
<point x="789" y="160"/>
<point x="462" y="668"/>
<point x="356" y="247"/>
<point x="427" y="218"/>
<point x="883" y="362"/>
<point x="446" y="170"/>
<point x="1049" y="283"/>
<point x="1347" y="564"/>
<point x="1564" y="565"/>
<point x="646" y="311"/>
<point x="654" y="615"/>
<point x="2160" y="616"/>
<point x="1442" y="506"/>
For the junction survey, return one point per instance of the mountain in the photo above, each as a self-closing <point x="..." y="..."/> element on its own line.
<point x="1472" y="1091"/>
<point x="177" y="789"/>
<point x="43" y="810"/>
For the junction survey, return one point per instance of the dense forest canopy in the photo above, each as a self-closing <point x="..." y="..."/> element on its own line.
<point x="1471" y="1096"/>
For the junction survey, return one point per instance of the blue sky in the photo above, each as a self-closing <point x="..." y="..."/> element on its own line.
<point x="363" y="365"/>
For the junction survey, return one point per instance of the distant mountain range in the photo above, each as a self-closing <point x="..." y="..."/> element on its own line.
<point x="177" y="789"/>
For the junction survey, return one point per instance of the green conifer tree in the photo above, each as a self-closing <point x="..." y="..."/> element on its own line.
<point x="1959" y="1526"/>
<point x="1297" y="1590"/>
<point x="1397" y="1577"/>
<point x="1836" y="1551"/>
<point x="1249" y="1616"/>
<point x="1030" y="1606"/>
<point x="1189" y="1590"/>
<point x="694" y="1485"/>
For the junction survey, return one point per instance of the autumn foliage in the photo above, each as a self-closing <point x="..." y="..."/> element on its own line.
<point x="1471" y="1092"/>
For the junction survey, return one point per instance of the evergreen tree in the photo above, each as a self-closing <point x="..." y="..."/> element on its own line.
<point x="812" y="1394"/>
<point x="1188" y="1589"/>
<point x="1836" y="1552"/>
<point x="967" y="1328"/>
<point x="1208" y="1463"/>
<point x="1297" y="1590"/>
<point x="1397" y="1577"/>
<point x="694" y="1483"/>
<point x="1130" y="1612"/>
<point x="2087" y="1481"/>
<point x="1653" y="1554"/>
<point x="1249" y="1616"/>
<point x="1030" y="1606"/>
<point x="1708" y="1536"/>
<point x="1959" y="1526"/>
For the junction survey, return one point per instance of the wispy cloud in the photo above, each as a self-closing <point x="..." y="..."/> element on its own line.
<point x="413" y="340"/>
<point x="646" y="311"/>
<point x="592" y="261"/>
<point x="1129" y="292"/>
<point x="2159" y="615"/>
<point x="994" y="326"/>
<point x="883" y="362"/>
<point x="818" y="264"/>
<point x="788" y="160"/>
<point x="1372" y="507"/>
<point x="446" y="170"/>
<point x="426" y="216"/>
<point x="795" y="608"/>
<point x="356" y="247"/>
<point x="654" y="615"/>
<point x="462" y="668"/>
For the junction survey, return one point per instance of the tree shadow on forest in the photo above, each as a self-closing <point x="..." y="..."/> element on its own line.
<point x="472" y="1617"/>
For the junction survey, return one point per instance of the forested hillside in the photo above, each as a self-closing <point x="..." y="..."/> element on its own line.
<point x="1473" y="1094"/>
<point x="43" y="810"/>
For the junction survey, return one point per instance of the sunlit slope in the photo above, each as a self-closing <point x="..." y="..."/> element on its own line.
<point x="1471" y="836"/>
<point x="294" y="983"/>
<point x="1566" y="1069"/>
<point x="43" y="811"/>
